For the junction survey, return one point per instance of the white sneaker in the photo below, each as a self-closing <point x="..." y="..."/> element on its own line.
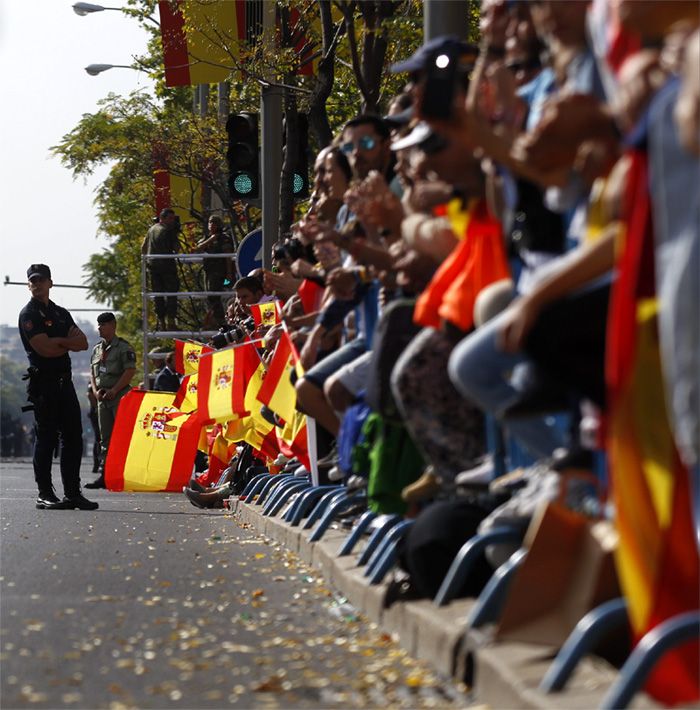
<point x="479" y="475"/>
<point x="335" y="474"/>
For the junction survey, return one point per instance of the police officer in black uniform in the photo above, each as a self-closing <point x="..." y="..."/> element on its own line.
<point x="49" y="334"/>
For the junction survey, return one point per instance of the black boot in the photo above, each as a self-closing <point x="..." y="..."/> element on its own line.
<point x="97" y="483"/>
<point x="77" y="501"/>
<point x="47" y="498"/>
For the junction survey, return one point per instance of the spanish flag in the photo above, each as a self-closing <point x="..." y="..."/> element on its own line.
<point x="186" y="397"/>
<point x="657" y="558"/>
<point x="277" y="391"/>
<point x="153" y="445"/>
<point x="187" y="354"/>
<point x="223" y="381"/>
<point x="201" y="39"/>
<point x="292" y="439"/>
<point x="264" y="314"/>
<point x="220" y="452"/>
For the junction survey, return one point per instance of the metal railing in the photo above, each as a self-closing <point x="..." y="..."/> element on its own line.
<point x="147" y="296"/>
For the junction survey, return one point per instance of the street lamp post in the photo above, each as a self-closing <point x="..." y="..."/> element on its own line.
<point x="87" y="8"/>
<point x="95" y="69"/>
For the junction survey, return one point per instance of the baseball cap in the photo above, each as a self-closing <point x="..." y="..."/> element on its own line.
<point x="423" y="137"/>
<point x="106" y="317"/>
<point x="444" y="43"/>
<point x="38" y="270"/>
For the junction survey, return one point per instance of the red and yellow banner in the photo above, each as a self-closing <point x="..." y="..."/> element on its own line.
<point x="657" y="558"/>
<point x="153" y="445"/>
<point x="223" y="381"/>
<point x="187" y="356"/>
<point x="199" y="38"/>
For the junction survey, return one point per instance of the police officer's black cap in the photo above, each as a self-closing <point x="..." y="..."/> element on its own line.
<point x="105" y="318"/>
<point x="38" y="270"/>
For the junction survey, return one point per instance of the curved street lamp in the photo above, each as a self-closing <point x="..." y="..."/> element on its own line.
<point x="87" y="8"/>
<point x="95" y="69"/>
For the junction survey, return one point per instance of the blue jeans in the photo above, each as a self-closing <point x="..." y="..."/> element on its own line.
<point x="482" y="374"/>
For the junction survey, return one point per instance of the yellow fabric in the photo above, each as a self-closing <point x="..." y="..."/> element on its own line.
<point x="212" y="31"/>
<point x="190" y="357"/>
<point x="153" y="442"/>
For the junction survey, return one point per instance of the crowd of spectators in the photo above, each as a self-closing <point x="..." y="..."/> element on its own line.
<point x="458" y="270"/>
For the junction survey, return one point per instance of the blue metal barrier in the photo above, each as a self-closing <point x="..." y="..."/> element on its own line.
<point x="322" y="504"/>
<point x="489" y="604"/>
<point x="271" y="483"/>
<point x="304" y="502"/>
<point x="385" y="556"/>
<point x="467" y="556"/>
<point x="278" y="490"/>
<point x="251" y="484"/>
<point x="259" y="485"/>
<point x="376" y="537"/>
<point x="337" y="505"/>
<point x="589" y="630"/>
<point x="278" y="502"/>
<point x="353" y="538"/>
<point x="653" y="645"/>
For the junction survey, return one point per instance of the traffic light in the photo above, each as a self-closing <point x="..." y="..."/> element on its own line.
<point x="300" y="166"/>
<point x="243" y="156"/>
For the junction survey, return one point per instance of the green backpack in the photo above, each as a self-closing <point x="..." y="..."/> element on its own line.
<point x="392" y="459"/>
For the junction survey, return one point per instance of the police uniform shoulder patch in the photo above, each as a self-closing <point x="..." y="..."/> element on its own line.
<point x="131" y="355"/>
<point x="28" y="325"/>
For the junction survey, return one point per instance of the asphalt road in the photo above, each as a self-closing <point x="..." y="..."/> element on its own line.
<point x="151" y="603"/>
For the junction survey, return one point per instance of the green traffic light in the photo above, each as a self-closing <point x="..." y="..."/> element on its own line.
<point x="243" y="184"/>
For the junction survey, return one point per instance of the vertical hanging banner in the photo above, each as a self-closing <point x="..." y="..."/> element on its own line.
<point x="200" y="39"/>
<point x="180" y="193"/>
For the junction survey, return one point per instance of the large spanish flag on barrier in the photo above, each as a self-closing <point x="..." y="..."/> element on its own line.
<point x="199" y="39"/>
<point x="187" y="354"/>
<point x="153" y="445"/>
<point x="223" y="381"/>
<point x="277" y="391"/>
<point x="264" y="314"/>
<point x="657" y="558"/>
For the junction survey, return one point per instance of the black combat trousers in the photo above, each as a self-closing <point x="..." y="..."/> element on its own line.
<point x="56" y="419"/>
<point x="165" y="281"/>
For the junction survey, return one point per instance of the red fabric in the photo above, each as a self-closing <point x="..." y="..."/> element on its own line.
<point x="175" y="57"/>
<point x="310" y="294"/>
<point x="477" y="261"/>
<point x="645" y="468"/>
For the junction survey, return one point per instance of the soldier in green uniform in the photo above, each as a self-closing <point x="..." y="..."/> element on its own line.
<point x="112" y="367"/>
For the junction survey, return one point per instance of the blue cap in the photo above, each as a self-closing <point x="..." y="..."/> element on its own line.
<point x="444" y="43"/>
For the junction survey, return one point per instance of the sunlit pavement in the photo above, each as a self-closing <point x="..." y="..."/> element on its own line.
<point x="151" y="603"/>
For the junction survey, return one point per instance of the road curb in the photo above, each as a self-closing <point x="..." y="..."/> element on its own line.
<point x="502" y="674"/>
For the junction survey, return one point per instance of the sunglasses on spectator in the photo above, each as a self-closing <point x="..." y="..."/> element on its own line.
<point x="365" y="143"/>
<point x="525" y="65"/>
